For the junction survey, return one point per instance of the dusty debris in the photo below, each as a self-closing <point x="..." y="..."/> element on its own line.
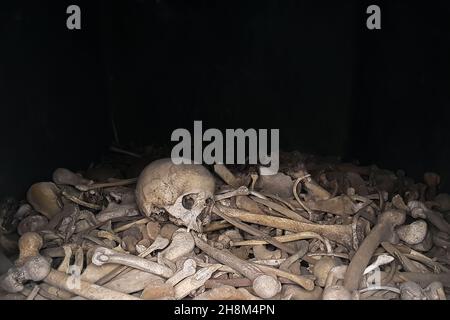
<point x="316" y="230"/>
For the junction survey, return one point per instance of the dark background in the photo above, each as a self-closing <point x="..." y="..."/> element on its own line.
<point x="310" y="68"/>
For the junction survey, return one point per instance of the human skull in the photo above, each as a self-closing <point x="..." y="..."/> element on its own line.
<point x="183" y="190"/>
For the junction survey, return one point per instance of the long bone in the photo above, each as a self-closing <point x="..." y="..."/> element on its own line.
<point x="189" y="268"/>
<point x="252" y="230"/>
<point x="383" y="231"/>
<point x="226" y="293"/>
<point x="104" y="255"/>
<point x="182" y="244"/>
<point x="264" y="286"/>
<point x="37" y="268"/>
<point x="189" y="284"/>
<point x="109" y="274"/>
<point x="342" y="234"/>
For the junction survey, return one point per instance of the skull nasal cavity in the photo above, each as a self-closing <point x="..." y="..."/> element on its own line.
<point x="188" y="202"/>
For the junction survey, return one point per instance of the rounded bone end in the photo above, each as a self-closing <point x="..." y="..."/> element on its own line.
<point x="393" y="217"/>
<point x="43" y="197"/>
<point x="266" y="286"/>
<point x="32" y="224"/>
<point x="67" y="177"/>
<point x="37" y="268"/>
<point x="9" y="283"/>
<point x="294" y="292"/>
<point x="336" y="293"/>
<point x="411" y="291"/>
<point x="29" y="245"/>
<point x="158" y="290"/>
<point x="322" y="269"/>
<point x="100" y="256"/>
<point x="413" y="233"/>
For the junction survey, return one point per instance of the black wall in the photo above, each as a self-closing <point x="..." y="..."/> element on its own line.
<point x="310" y="68"/>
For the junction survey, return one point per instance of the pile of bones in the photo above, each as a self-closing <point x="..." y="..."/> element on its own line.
<point x="318" y="229"/>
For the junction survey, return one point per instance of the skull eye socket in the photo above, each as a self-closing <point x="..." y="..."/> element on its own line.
<point x="188" y="202"/>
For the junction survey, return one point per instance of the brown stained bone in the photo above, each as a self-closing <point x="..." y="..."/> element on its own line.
<point x="303" y="281"/>
<point x="32" y="224"/>
<point x="279" y="184"/>
<point x="183" y="190"/>
<point x="263" y="285"/>
<point x="130" y="238"/>
<point x="442" y="201"/>
<point x="334" y="290"/>
<point x="181" y="245"/>
<point x="68" y="210"/>
<point x="116" y="183"/>
<point x="283" y="210"/>
<point x="342" y="234"/>
<point x="241" y="191"/>
<point x="314" y="189"/>
<point x="66" y="177"/>
<point x="80" y="202"/>
<point x="425" y="279"/>
<point x="227" y="176"/>
<point x="253" y="231"/>
<point x="37" y="268"/>
<point x="142" y="245"/>
<point x="417" y="256"/>
<point x="108" y="235"/>
<point x="53" y="293"/>
<point x="241" y="266"/>
<point x="226" y="293"/>
<point x="64" y="265"/>
<point x="283" y="239"/>
<point x="85" y="289"/>
<point x="425" y="245"/>
<point x="133" y="281"/>
<point x="104" y="276"/>
<point x="432" y="180"/>
<point x="234" y="282"/>
<point x="343" y="197"/>
<point x="262" y="253"/>
<point x="168" y="230"/>
<point x="441" y="239"/>
<point x="413" y="233"/>
<point x="44" y="198"/>
<point x="189" y="284"/>
<point x="407" y="264"/>
<point x="152" y="230"/>
<point x="435" y="291"/>
<point x="237" y="282"/>
<point x="188" y="269"/>
<point x="339" y="205"/>
<point x="158" y="290"/>
<point x="322" y="269"/>
<point x="292" y="292"/>
<point x="434" y="217"/>
<point x="383" y="231"/>
<point x="29" y="244"/>
<point x="303" y="249"/>
<point x="112" y="212"/>
<point x="104" y="255"/>
<point x="129" y="225"/>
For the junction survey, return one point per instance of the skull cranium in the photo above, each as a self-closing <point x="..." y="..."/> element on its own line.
<point x="183" y="190"/>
